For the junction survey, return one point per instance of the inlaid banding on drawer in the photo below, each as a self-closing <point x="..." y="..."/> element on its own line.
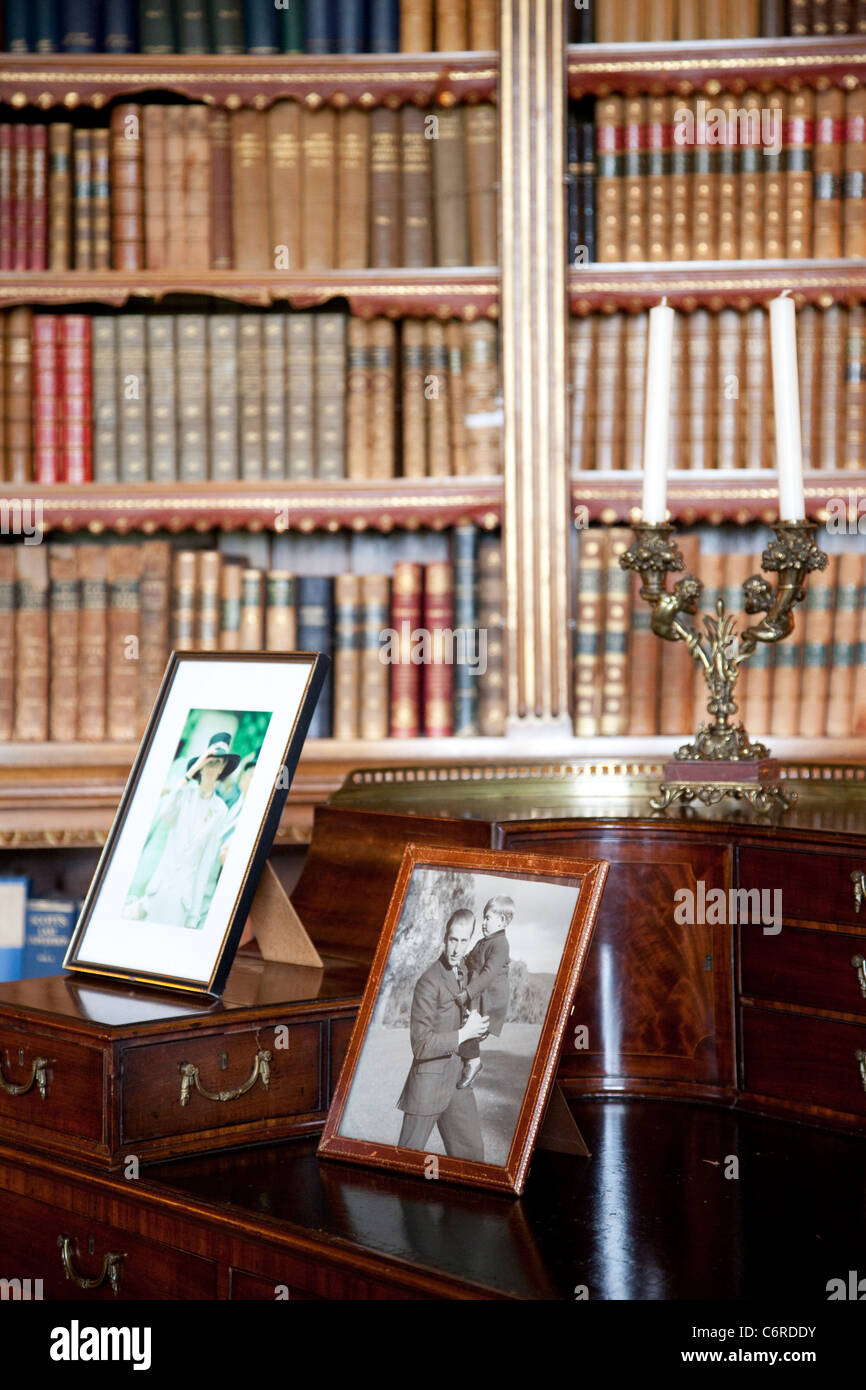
<point x="815" y="887"/>
<point x="813" y="969"/>
<point x="72" y="1082"/>
<point x="812" y="1061"/>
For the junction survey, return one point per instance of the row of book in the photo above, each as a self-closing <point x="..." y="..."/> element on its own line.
<point x="249" y="395"/>
<point x="86" y="629"/>
<point x="628" y="681"/>
<point x="248" y="26"/>
<point x="660" y="21"/>
<point x="34" y="931"/>
<point x="773" y="175"/>
<point x="721" y="413"/>
<point x="194" y="187"/>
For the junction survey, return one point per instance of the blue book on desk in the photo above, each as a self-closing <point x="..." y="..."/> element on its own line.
<point x="13" y="911"/>
<point x="49" y="925"/>
<point x="315" y="598"/>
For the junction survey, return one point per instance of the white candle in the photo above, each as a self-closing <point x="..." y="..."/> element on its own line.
<point x="657" y="412"/>
<point x="786" y="403"/>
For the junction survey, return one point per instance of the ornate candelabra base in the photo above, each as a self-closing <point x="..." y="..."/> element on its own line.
<point x="755" y="782"/>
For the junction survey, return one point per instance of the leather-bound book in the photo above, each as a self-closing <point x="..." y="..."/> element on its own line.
<point x="76" y="376"/>
<point x="727" y="164"/>
<point x="466" y="620"/>
<point x="292" y="37"/>
<point x="586" y="187"/>
<point x="193" y="444"/>
<point x="382" y="452"/>
<point x="729" y="375"/>
<point x="581" y="392"/>
<point x="374" y="714"/>
<point x="772" y="21"/>
<point x="250" y="421"/>
<point x="7" y="641"/>
<point x="632" y="24"/>
<point x="280" y="617"/>
<point x="273" y="395"/>
<point x="854" y="419"/>
<point x="756" y="395"/>
<point x="416" y="26"/>
<point x="406" y="680"/>
<point x="155" y="600"/>
<point x="635" y="178"/>
<point x="63" y="643"/>
<point x="816" y="616"/>
<point x="160" y="190"/>
<point x="493" y="692"/>
<point x="124" y="617"/>
<point x="799" y="134"/>
<point x="809" y="372"/>
<point x="100" y="149"/>
<point x="223" y="384"/>
<point x="174" y="174"/>
<point x="678" y="680"/>
<point x="231" y="588"/>
<point x="841" y="14"/>
<point x="19" y="389"/>
<point x="705" y="191"/>
<point x="21" y="197"/>
<point x="634" y="381"/>
<point x="606" y="21"/>
<point x="347" y="655"/>
<point x="300" y="395"/>
<point x="222" y="241"/>
<point x="156" y="26"/>
<point x="196" y="187"/>
<point x="658" y="21"/>
<point x="38" y="144"/>
<point x="589" y="632"/>
<point x="832" y="331"/>
<point x="319" y="182"/>
<point x="357" y="395"/>
<point x="438" y="680"/>
<point x="451" y="207"/>
<point x="414" y="416"/>
<point x="843" y="651"/>
<point x="417" y="179"/>
<point x="751" y="161"/>
<point x="386" y="217"/>
<point x="617" y="621"/>
<point x="483" y="399"/>
<point x="132" y="374"/>
<point x="437" y="399"/>
<point x="680" y="186"/>
<point x="580" y="25"/>
<point x="119" y="27"/>
<point x="482" y="151"/>
<point x="208" y="588"/>
<point x="609" y="206"/>
<point x="106" y="445"/>
<point x="162" y="396"/>
<point x="452" y="30"/>
<point x="261" y="26"/>
<point x="252" y="246"/>
<point x="571" y="168"/>
<point x="184" y="600"/>
<point x="127" y="215"/>
<point x="820" y="17"/>
<point x="609" y="390"/>
<point x="455" y="343"/>
<point x="320" y="27"/>
<point x="329" y="336"/>
<point x="352" y="34"/>
<point x="7" y="202"/>
<point x="316" y="634"/>
<point x="252" y="625"/>
<point x="31" y="644"/>
<point x="644" y="659"/>
<point x="192" y="27"/>
<point x="18" y="27"/>
<point x="284" y="181"/>
<point x="827" y="162"/>
<point x="353" y="191"/>
<point x="92" y="641"/>
<point x="854" y="190"/>
<point x="47" y="400"/>
<point x="78" y="26"/>
<point x="658" y="158"/>
<point x="702" y="389"/>
<point x="483" y="29"/>
<point x="59" y="196"/>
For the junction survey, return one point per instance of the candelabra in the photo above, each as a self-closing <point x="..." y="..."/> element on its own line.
<point x="722" y="760"/>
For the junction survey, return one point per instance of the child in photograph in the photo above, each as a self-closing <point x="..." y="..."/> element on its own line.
<point x="487" y="989"/>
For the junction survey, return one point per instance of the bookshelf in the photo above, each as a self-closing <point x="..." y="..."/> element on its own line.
<point x="531" y="295"/>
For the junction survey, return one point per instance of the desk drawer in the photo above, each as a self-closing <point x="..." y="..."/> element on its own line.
<point x="814" y="887"/>
<point x="72" y="1080"/>
<point x="811" y="968"/>
<point x="808" y="1060"/>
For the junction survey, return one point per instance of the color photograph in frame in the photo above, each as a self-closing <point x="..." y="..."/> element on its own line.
<point x="178" y="874"/>
<point x="454" y="1052"/>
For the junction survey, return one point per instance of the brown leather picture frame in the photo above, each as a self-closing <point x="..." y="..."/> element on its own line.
<point x="389" y="1037"/>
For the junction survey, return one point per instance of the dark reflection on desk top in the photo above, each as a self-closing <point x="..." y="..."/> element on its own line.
<point x="650" y="1215"/>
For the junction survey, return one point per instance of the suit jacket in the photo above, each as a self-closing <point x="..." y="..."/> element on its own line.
<point x="436" y="1016"/>
<point x="488" y="978"/>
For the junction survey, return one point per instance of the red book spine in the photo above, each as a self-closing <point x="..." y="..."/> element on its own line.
<point x="6" y="232"/>
<point x="47" y="409"/>
<point x="20" y="198"/>
<point x="38" y="197"/>
<point x="438" y="669"/>
<point x="75" y="374"/>
<point x="406" y="673"/>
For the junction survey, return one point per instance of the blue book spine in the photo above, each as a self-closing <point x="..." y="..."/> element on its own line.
<point x="351" y="26"/>
<point x="81" y="24"/>
<point x="384" y="26"/>
<point x="262" y="26"/>
<point x="19" y="34"/>
<point x="120" y="34"/>
<point x="49" y="927"/>
<point x="319" y="25"/>
<point x="13" y="911"/>
<point x="46" y="35"/>
<point x="316" y="634"/>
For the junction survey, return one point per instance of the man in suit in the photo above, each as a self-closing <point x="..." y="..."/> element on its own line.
<point x="436" y="1030"/>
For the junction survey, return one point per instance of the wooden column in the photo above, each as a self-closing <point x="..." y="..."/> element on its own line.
<point x="534" y="308"/>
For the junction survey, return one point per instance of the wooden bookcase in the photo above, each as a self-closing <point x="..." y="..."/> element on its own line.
<point x="66" y="795"/>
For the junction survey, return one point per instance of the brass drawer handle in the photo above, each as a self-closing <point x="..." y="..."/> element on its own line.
<point x="858" y="878"/>
<point x="110" y="1268"/>
<point x="859" y="964"/>
<point x="190" y="1077"/>
<point x="37" y="1078"/>
<point x="861" y="1058"/>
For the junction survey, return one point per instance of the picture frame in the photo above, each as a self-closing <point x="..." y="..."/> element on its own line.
<point x="177" y="876"/>
<point x="481" y="1132"/>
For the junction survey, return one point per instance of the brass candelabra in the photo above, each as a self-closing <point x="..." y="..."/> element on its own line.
<point x="722" y="760"/>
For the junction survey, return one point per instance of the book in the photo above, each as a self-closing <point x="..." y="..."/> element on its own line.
<point x="386" y="218"/>
<point x="63" y="625"/>
<point x="156" y="26"/>
<point x="92" y="641"/>
<point x="357" y="397"/>
<point x="455" y="343"/>
<point x="75" y="373"/>
<point x="273" y="396"/>
<point x="82" y="156"/>
<point x="48" y="927"/>
<point x="414" y="413"/>
<point x="416" y="26"/>
<point x="78" y="32"/>
<point x="184" y="600"/>
<point x="284" y="181"/>
<point x="300" y="395"/>
<point x="482" y="151"/>
<point x="436" y="393"/>
<point x="222" y="394"/>
<point x="251" y="228"/>
<point x="18" y="394"/>
<point x="155" y="607"/>
<point x="438" y="683"/>
<point x="315" y="607"/>
<point x="634" y="177"/>
<point x="329" y="336"/>
<point x="347" y="655"/>
<point x="104" y="393"/>
<point x="609" y="178"/>
<point x="250" y="384"/>
<point x="589" y="630"/>
<point x="221" y="186"/>
<point x="381" y="449"/>
<point x="466" y="622"/>
<point x="484" y="417"/>
<point x="132" y="374"/>
<point x="406" y="680"/>
<point x="162" y="387"/>
<point x="854" y="178"/>
<point x="840" y="720"/>
<point x="373" y="719"/>
<point x="192" y="398"/>
<point x="452" y="34"/>
<point x="7" y="641"/>
<point x="351" y="27"/>
<point x="13" y="908"/>
<point x="319" y="182"/>
<point x="799" y="134"/>
<point x="353" y="179"/>
<point x="160" y="192"/>
<point x="207" y="589"/>
<point x="450" y="188"/>
<point x="192" y="27"/>
<point x="127" y="205"/>
<point x="416" y="153"/>
<point x="827" y="165"/>
<point x="119" y="30"/>
<point x="493" y="692"/>
<point x="31" y="644"/>
<point x="258" y="26"/>
<point x="123" y="651"/>
<point x="47" y="399"/>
